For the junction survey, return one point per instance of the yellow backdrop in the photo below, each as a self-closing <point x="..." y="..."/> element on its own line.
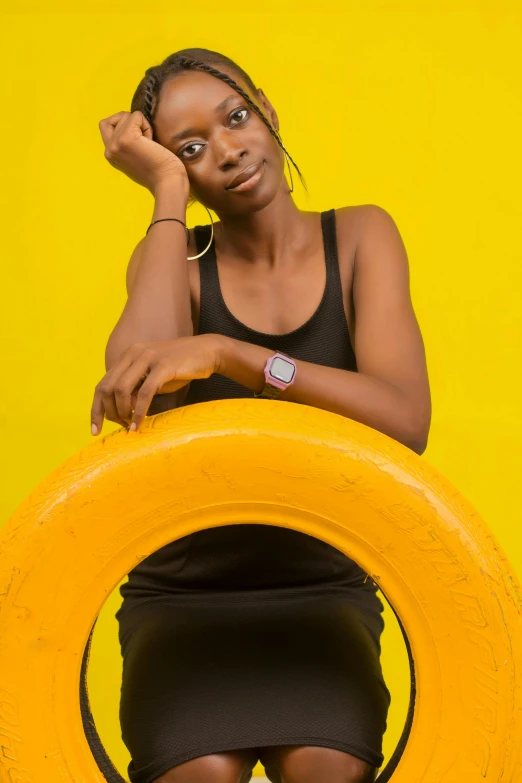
<point x="414" y="106"/>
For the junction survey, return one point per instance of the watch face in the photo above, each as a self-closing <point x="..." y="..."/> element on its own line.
<point x="282" y="370"/>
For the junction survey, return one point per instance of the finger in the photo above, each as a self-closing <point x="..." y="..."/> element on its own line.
<point x="108" y="125"/>
<point x="111" y="380"/>
<point x="104" y="392"/>
<point x="97" y="413"/>
<point x="104" y="400"/>
<point x="144" y="124"/>
<point x="134" y="397"/>
<point x="149" y="388"/>
<point x="111" y="409"/>
<point x="129" y="381"/>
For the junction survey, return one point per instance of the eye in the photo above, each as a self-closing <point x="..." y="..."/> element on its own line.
<point x="238" y="111"/>
<point x="181" y="154"/>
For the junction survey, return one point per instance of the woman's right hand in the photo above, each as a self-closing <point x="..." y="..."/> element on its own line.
<point x="129" y="148"/>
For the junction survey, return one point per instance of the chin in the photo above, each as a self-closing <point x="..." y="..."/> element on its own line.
<point x="268" y="192"/>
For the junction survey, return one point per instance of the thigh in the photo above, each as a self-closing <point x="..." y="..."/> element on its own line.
<point x="185" y="711"/>
<point x="311" y="763"/>
<point x="234" y="766"/>
<point x="199" y="681"/>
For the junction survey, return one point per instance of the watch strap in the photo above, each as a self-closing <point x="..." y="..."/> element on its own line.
<point x="270" y="391"/>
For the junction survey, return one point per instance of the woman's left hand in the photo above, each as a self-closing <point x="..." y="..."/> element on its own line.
<point x="148" y="368"/>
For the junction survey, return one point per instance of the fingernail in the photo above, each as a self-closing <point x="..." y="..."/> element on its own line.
<point x="94" y="429"/>
<point x="133" y="426"/>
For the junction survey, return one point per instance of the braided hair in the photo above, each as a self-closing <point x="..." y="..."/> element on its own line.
<point x="146" y="97"/>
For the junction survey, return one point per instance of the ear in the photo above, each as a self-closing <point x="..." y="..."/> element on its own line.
<point x="268" y="108"/>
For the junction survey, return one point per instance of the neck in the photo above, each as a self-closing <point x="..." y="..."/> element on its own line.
<point x="267" y="236"/>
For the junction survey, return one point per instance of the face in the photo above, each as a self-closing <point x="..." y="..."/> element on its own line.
<point x="218" y="136"/>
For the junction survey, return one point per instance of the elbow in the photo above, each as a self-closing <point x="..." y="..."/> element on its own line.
<point x="416" y="443"/>
<point x="418" y="436"/>
<point x="419" y="446"/>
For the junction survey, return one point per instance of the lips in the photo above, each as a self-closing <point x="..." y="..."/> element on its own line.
<point x="244" y="175"/>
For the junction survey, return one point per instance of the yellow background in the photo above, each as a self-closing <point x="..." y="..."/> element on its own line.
<point x="412" y="106"/>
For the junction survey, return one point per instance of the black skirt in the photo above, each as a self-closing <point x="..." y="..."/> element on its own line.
<point x="253" y="636"/>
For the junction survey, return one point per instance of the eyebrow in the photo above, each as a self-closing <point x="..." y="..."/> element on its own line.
<point x="193" y="131"/>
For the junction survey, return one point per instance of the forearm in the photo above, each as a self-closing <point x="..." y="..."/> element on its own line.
<point x="158" y="305"/>
<point x="360" y="397"/>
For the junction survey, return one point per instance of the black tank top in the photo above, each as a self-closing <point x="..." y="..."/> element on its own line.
<point x="232" y="559"/>
<point x="323" y="339"/>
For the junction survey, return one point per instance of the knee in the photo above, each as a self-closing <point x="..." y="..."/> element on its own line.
<point x="312" y="764"/>
<point x="226" y="767"/>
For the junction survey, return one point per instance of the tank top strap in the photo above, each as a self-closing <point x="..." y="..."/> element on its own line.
<point x="333" y="273"/>
<point x="209" y="288"/>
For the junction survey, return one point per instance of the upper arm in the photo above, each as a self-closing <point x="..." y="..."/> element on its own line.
<point x="133" y="264"/>
<point x="136" y="255"/>
<point x="388" y="341"/>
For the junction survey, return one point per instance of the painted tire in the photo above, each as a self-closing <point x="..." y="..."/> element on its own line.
<point x="234" y="461"/>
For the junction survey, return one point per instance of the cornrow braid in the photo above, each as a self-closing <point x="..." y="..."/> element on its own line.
<point x="148" y="97"/>
<point x="150" y="86"/>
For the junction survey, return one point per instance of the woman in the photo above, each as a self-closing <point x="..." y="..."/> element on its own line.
<point x="248" y="642"/>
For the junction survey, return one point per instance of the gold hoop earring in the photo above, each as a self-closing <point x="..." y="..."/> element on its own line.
<point x="192" y="258"/>
<point x="289" y="169"/>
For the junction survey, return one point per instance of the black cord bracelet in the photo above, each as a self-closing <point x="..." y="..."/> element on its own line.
<point x="177" y="220"/>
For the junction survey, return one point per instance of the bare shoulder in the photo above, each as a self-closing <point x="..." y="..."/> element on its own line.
<point x="359" y="219"/>
<point x="381" y="264"/>
<point x="377" y="241"/>
<point x="347" y="221"/>
<point x="353" y="224"/>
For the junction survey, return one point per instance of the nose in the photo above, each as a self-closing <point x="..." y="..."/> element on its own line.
<point x="229" y="152"/>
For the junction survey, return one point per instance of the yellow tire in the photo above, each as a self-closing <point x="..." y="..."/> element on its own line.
<point x="265" y="462"/>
